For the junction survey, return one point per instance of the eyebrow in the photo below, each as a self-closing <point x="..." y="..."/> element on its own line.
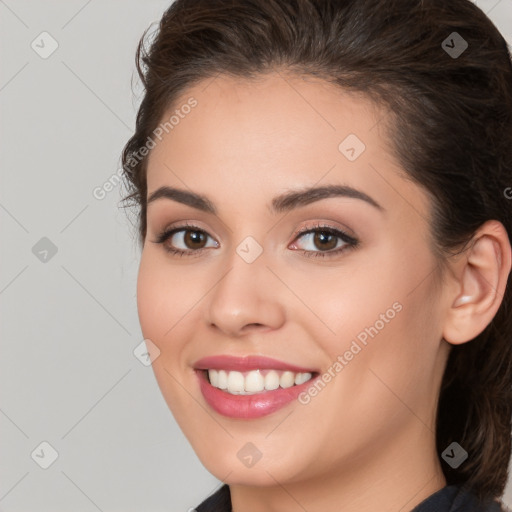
<point x="279" y="204"/>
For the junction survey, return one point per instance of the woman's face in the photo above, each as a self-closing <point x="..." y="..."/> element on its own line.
<point x="361" y="313"/>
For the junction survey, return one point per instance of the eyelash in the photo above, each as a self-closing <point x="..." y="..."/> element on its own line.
<point x="350" y="241"/>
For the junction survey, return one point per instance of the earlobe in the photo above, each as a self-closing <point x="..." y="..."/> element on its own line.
<point x="483" y="279"/>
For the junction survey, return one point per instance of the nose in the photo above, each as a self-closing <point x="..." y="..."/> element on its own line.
<point x="245" y="298"/>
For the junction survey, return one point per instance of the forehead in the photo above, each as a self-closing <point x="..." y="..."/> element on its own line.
<point x="271" y="133"/>
<point x="274" y="105"/>
<point x="275" y="115"/>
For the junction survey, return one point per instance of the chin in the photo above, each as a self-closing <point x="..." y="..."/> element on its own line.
<point x="237" y="462"/>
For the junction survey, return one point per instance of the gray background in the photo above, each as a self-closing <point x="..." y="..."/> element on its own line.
<point x="69" y="323"/>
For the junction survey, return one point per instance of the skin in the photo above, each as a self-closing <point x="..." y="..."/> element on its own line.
<point x="366" y="441"/>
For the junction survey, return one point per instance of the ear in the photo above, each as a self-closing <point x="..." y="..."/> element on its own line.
<point x="482" y="278"/>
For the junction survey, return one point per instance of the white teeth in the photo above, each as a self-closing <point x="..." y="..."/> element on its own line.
<point x="223" y="380"/>
<point x="287" y="380"/>
<point x="214" y="377"/>
<point x="235" y="382"/>
<point x="248" y="383"/>
<point x="271" y="380"/>
<point x="300" y="378"/>
<point x="254" y="382"/>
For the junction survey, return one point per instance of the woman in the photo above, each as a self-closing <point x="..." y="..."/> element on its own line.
<point x="325" y="214"/>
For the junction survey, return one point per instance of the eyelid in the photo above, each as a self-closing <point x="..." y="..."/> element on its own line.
<point x="326" y="225"/>
<point x="178" y="225"/>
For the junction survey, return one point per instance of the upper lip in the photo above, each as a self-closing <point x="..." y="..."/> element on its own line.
<point x="247" y="363"/>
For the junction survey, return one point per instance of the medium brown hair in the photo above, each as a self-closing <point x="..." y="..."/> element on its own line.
<point x="451" y="131"/>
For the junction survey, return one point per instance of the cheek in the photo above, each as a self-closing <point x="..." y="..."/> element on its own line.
<point x="387" y="327"/>
<point x="150" y="298"/>
<point x="164" y="295"/>
<point x="160" y="309"/>
<point x="396" y="368"/>
<point x="167" y="304"/>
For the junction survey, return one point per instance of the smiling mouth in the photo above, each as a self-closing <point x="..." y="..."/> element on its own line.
<point x="255" y="381"/>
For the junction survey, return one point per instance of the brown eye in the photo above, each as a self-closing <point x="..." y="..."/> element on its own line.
<point x="325" y="240"/>
<point x="194" y="239"/>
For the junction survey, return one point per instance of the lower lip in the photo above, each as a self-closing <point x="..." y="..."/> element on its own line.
<point x="249" y="406"/>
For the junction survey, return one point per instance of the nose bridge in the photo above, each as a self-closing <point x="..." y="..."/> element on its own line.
<point x="245" y="295"/>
